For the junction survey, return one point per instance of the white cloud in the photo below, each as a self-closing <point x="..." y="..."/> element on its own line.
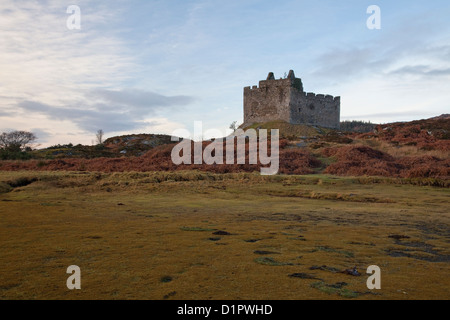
<point x="42" y="60"/>
<point x="60" y="79"/>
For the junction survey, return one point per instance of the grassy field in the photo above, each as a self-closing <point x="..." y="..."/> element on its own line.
<point x="192" y="235"/>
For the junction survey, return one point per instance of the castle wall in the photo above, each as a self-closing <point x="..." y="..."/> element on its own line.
<point x="284" y="99"/>
<point x="309" y="108"/>
<point x="269" y="102"/>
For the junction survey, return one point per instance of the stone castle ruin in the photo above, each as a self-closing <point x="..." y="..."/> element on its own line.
<point x="284" y="99"/>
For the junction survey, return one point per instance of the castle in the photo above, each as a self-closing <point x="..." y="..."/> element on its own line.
<point x="284" y="99"/>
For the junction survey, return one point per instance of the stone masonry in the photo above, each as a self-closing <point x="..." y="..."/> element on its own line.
<point x="284" y="99"/>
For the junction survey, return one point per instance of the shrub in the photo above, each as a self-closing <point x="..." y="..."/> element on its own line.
<point x="14" y="155"/>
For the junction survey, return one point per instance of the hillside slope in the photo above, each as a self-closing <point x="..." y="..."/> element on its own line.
<point x="417" y="149"/>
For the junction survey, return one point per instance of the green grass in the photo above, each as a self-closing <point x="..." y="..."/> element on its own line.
<point x="345" y="253"/>
<point x="196" y="229"/>
<point x="335" y="289"/>
<point x="271" y="262"/>
<point x="289" y="131"/>
<point x="4" y="187"/>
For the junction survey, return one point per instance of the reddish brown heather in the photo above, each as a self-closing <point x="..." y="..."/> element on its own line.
<point x="349" y="160"/>
<point x="429" y="134"/>
<point x="292" y="161"/>
<point x="363" y="160"/>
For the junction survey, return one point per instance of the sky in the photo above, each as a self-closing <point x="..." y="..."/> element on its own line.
<point x="148" y="66"/>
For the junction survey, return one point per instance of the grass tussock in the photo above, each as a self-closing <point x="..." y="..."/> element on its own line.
<point x="337" y="288"/>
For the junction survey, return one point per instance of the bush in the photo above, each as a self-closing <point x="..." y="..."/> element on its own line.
<point x="11" y="155"/>
<point x="357" y="126"/>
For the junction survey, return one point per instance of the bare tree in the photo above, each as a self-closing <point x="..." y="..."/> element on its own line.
<point x="16" y="141"/>
<point x="99" y="136"/>
<point x="233" y="126"/>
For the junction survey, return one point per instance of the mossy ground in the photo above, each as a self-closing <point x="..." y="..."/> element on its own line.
<point x="132" y="232"/>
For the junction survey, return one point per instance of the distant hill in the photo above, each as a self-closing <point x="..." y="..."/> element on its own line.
<point x="119" y="146"/>
<point x="136" y="144"/>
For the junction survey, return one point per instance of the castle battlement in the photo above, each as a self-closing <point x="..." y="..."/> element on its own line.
<point x="284" y="99"/>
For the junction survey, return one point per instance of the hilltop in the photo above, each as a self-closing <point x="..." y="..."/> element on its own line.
<point x="118" y="146"/>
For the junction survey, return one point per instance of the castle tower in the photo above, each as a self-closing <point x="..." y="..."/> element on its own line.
<point x="284" y="99"/>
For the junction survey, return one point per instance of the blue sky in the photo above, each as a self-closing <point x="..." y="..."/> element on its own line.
<point x="156" y="66"/>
